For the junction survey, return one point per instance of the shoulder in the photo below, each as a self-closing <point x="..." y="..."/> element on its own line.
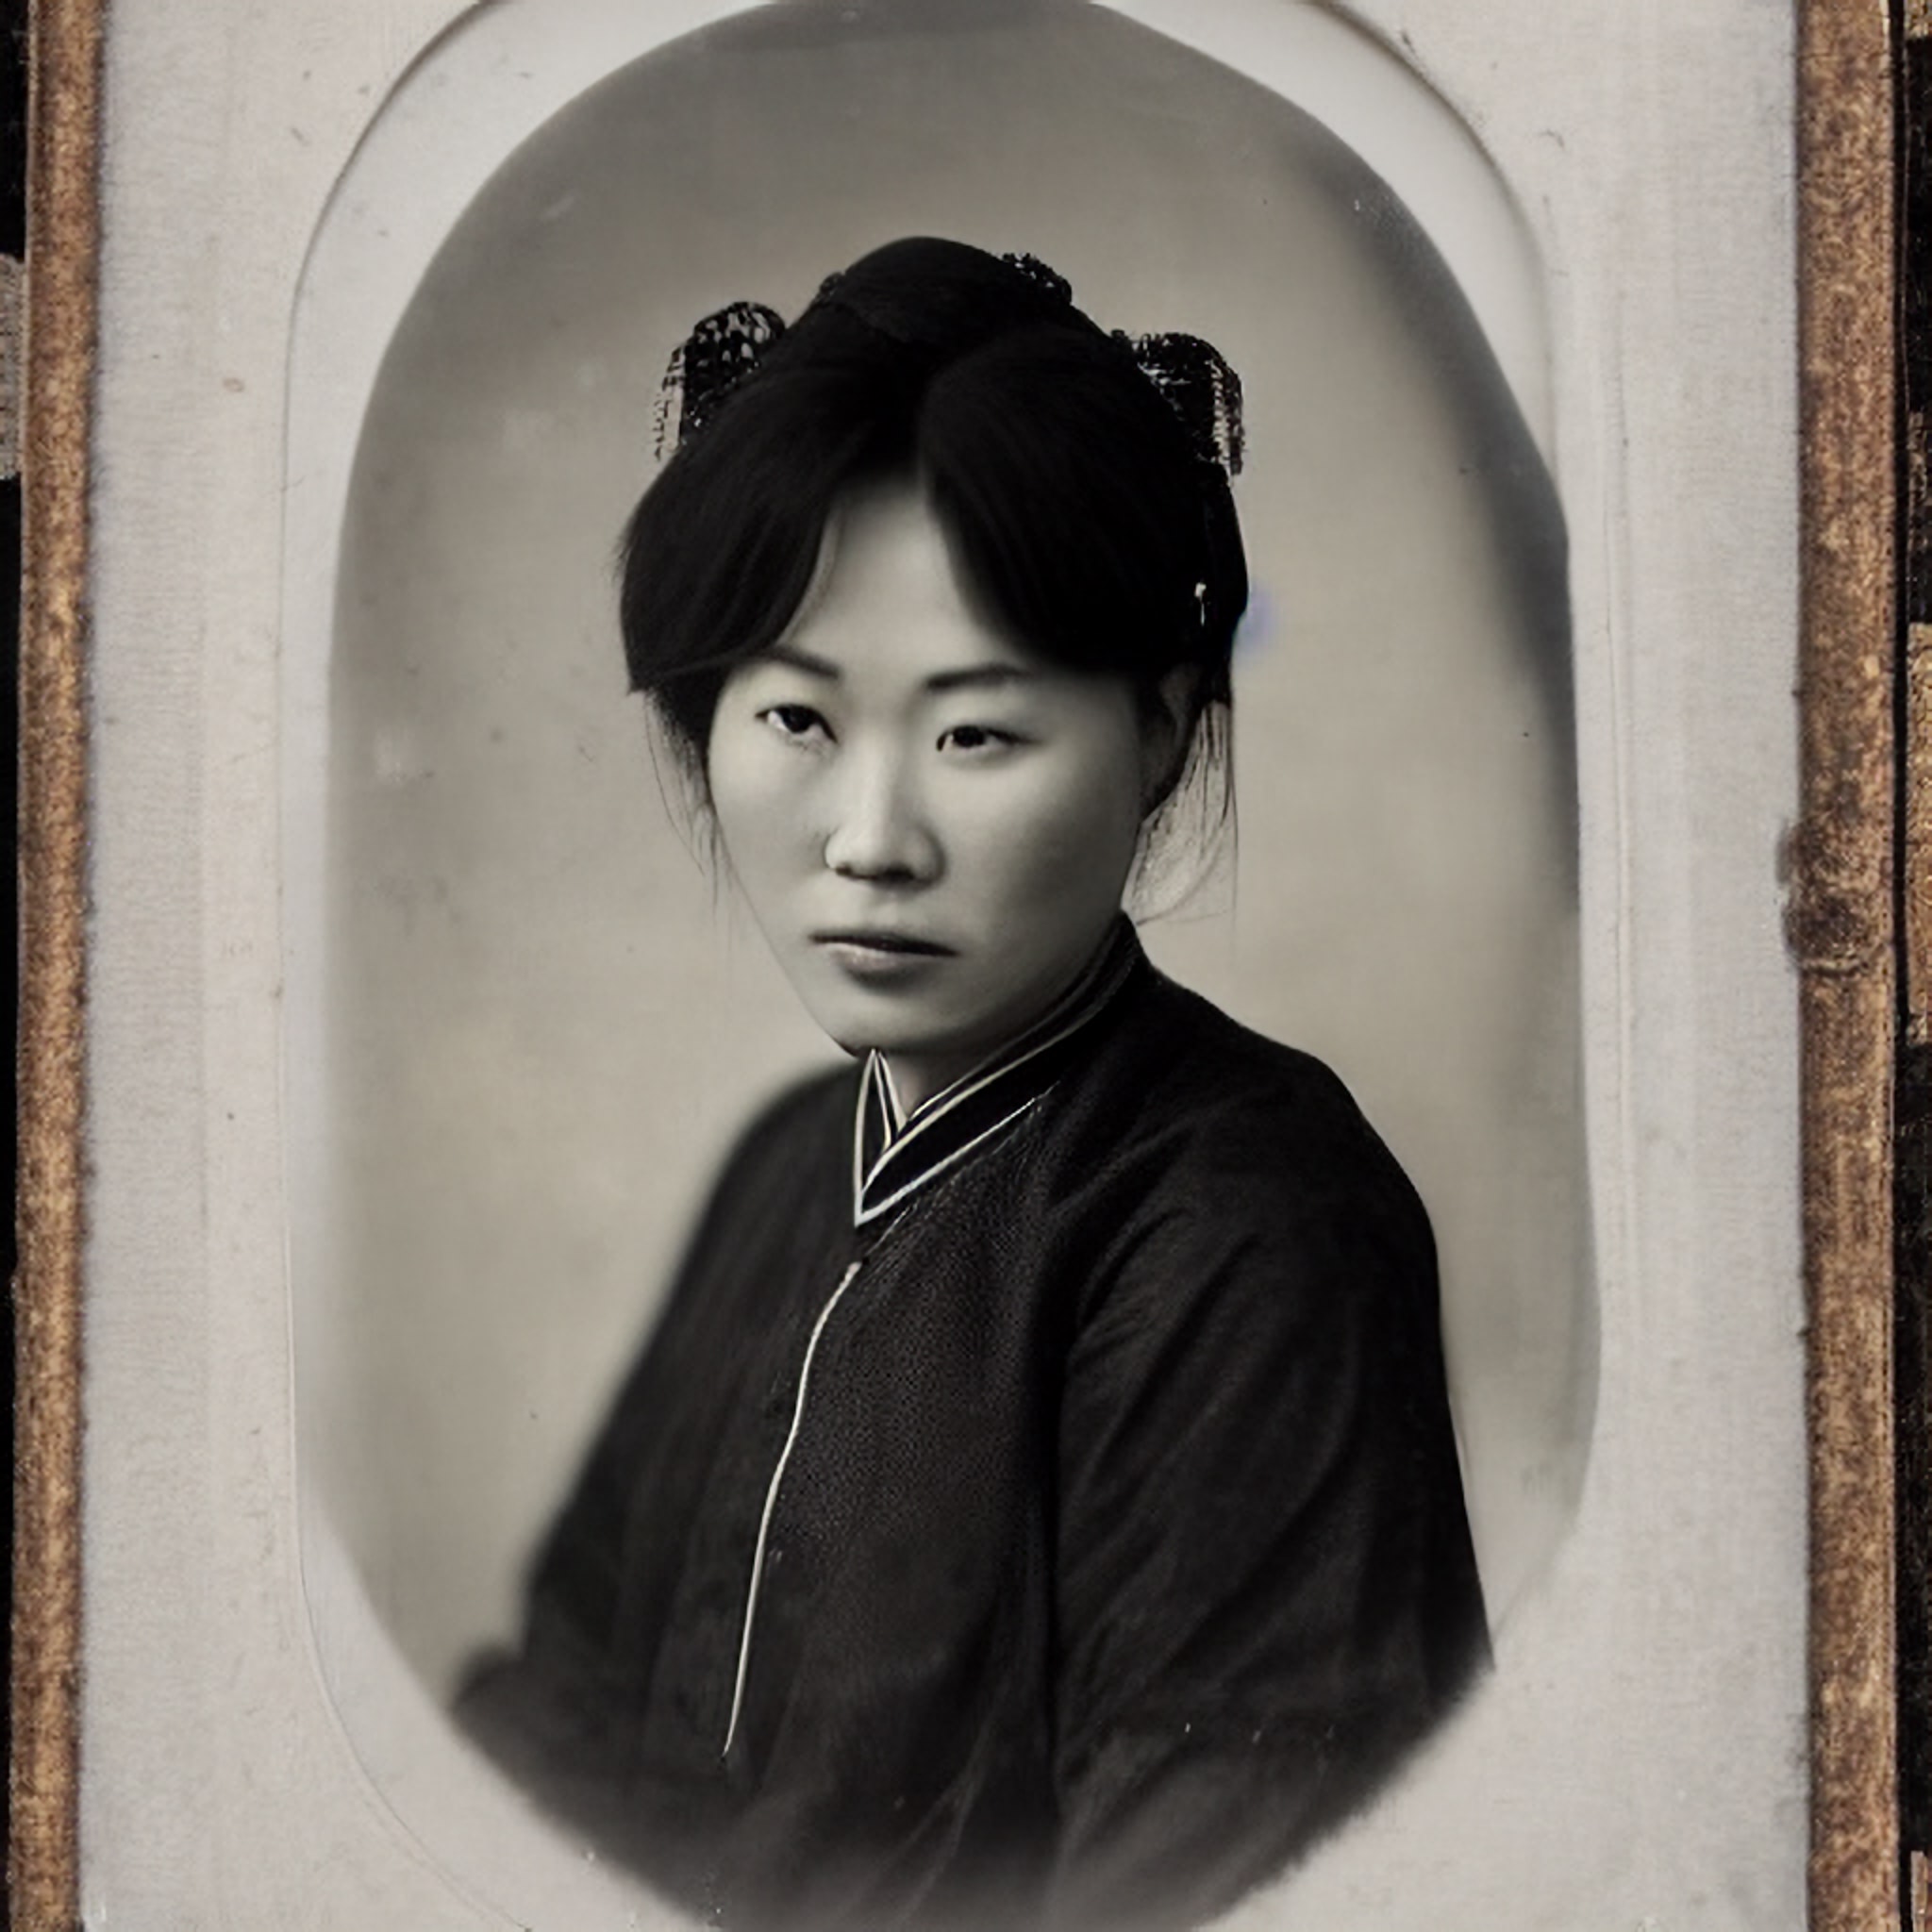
<point x="804" y="1115"/>
<point x="1213" y="1182"/>
<point x="1206" y="1112"/>
<point x="1247" y="1246"/>
<point x="795" y="1150"/>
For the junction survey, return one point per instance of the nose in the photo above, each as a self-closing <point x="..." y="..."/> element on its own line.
<point x="878" y="828"/>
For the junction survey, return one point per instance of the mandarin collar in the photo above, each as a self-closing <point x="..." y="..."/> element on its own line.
<point x="895" y="1154"/>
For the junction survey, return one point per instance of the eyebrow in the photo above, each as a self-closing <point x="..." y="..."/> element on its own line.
<point x="967" y="677"/>
<point x="800" y="660"/>
<point x="979" y="678"/>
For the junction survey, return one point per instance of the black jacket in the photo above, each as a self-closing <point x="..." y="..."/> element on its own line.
<point x="1113" y="1548"/>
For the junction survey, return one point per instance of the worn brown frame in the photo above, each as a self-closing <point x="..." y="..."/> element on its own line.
<point x="1843" y="933"/>
<point x="1844" y="938"/>
<point x="42" y="1865"/>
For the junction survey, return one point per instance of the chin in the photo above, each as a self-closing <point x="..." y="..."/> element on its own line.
<point x="857" y="1038"/>
<point x="849" y="1024"/>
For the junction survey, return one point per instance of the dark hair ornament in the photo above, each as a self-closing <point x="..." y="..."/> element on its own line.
<point x="1037" y="271"/>
<point x="718" y="354"/>
<point x="1202" y="390"/>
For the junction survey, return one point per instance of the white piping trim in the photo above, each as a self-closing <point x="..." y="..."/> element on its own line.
<point x="969" y="1085"/>
<point x="758" y="1555"/>
<point x="932" y="1172"/>
<point x="896" y="1108"/>
<point x="1072" y="1011"/>
<point x="859" y="1113"/>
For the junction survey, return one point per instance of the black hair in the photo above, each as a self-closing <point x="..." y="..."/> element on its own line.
<point x="1090" y="518"/>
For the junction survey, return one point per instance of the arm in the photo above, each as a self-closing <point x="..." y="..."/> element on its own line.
<point x="599" y="1585"/>
<point x="1266" y="1593"/>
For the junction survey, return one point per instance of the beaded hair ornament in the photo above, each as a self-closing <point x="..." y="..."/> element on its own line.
<point x="1192" y="375"/>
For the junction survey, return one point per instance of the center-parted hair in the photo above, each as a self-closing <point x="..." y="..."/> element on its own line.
<point x="1081" y="477"/>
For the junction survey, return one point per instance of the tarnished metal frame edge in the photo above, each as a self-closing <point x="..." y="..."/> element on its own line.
<point x="1841" y="930"/>
<point x="64" y="231"/>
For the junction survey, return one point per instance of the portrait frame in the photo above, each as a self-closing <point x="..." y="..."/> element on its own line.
<point x="1844" y="930"/>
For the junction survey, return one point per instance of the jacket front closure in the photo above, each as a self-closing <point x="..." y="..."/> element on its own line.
<point x="897" y="1156"/>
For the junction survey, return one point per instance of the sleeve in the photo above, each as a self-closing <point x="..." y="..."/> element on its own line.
<point x="1266" y="1593"/>
<point x="559" y="1710"/>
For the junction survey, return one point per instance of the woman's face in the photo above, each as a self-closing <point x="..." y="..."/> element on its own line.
<point x="933" y="825"/>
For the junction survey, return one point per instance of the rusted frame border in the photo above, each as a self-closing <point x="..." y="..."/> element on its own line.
<point x="1913" y="1139"/>
<point x="1843" y="929"/>
<point x="1842" y="933"/>
<point x="63" y="232"/>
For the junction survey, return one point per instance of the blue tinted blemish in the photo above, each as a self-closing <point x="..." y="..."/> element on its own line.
<point x="1257" y="626"/>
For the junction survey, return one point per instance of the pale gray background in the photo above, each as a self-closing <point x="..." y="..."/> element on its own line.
<point x="545" y="1024"/>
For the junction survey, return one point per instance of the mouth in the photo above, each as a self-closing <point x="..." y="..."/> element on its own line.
<point x="883" y="961"/>
<point x="872" y="940"/>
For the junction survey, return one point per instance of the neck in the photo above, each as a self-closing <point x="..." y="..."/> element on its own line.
<point x="916" y="1077"/>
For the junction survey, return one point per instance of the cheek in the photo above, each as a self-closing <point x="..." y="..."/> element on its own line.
<point x="753" y="798"/>
<point x="1065" y="843"/>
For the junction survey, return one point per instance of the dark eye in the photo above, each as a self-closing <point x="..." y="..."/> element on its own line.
<point x="799" y="724"/>
<point x="976" y="738"/>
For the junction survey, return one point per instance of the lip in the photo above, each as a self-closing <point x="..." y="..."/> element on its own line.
<point x="898" y="946"/>
<point x="883" y="960"/>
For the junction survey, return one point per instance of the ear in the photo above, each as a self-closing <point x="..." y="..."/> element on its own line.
<point x="1168" y="714"/>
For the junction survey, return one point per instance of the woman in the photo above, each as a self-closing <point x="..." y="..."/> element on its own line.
<point x="1038" y="1505"/>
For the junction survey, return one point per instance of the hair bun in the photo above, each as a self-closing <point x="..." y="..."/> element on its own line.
<point x="940" y="298"/>
<point x="937" y="298"/>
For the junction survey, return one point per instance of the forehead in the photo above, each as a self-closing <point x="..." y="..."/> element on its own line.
<point x="888" y="596"/>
